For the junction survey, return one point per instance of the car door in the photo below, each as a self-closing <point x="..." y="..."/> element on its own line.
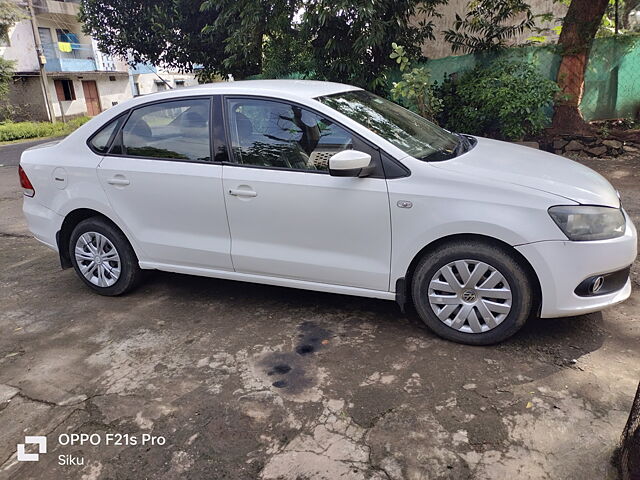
<point x="161" y="182"/>
<point x="287" y="216"/>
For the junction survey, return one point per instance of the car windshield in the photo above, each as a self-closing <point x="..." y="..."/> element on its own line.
<point x="411" y="133"/>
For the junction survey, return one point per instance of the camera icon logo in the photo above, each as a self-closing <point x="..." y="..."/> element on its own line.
<point x="39" y="440"/>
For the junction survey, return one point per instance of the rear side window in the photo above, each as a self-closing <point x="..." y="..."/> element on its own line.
<point x="100" y="141"/>
<point x="170" y="130"/>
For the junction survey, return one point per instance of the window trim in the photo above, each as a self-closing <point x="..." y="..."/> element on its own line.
<point x="128" y="113"/>
<point x="380" y="153"/>
<point x="220" y="140"/>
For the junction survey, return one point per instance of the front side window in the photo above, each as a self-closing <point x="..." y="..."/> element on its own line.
<point x="276" y="134"/>
<point x="411" y="133"/>
<point x="171" y="130"/>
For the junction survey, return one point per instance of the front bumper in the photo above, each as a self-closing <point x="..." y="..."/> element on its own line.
<point x="562" y="265"/>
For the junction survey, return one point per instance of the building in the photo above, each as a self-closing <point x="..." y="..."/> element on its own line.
<point x="150" y="79"/>
<point x="81" y="80"/>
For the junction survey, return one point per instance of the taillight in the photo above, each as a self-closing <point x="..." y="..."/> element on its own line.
<point x="26" y="183"/>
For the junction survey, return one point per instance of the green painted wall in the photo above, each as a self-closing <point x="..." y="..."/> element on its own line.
<point x="612" y="80"/>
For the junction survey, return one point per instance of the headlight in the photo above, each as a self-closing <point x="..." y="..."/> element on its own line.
<point x="579" y="222"/>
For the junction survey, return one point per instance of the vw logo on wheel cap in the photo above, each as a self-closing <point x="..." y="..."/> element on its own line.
<point x="469" y="296"/>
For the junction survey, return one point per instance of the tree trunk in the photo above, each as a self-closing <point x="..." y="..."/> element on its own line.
<point x="578" y="31"/>
<point x="630" y="443"/>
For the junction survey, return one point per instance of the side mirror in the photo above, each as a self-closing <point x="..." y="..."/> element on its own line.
<point x="350" y="163"/>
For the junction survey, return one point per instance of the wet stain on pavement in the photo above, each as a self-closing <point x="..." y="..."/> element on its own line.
<point x="311" y="338"/>
<point x="293" y="371"/>
<point x="305" y="349"/>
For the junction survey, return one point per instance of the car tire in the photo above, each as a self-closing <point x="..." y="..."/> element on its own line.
<point x="103" y="257"/>
<point x="458" y="305"/>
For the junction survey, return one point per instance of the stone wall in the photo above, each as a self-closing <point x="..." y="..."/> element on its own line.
<point x="25" y="100"/>
<point x="590" y="145"/>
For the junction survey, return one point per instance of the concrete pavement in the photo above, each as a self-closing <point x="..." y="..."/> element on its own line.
<point x="247" y="381"/>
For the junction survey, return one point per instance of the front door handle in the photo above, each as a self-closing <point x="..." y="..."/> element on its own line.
<point x="239" y="192"/>
<point x="118" y="180"/>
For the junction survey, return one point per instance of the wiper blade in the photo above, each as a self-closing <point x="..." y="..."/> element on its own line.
<point x="463" y="145"/>
<point x="439" y="155"/>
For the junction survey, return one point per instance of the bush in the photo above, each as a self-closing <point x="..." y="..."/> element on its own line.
<point x="21" y="130"/>
<point x="415" y="90"/>
<point x="504" y="99"/>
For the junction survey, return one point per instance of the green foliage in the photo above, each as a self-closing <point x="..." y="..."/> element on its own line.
<point x="350" y="39"/>
<point x="489" y="25"/>
<point x="22" y="130"/>
<point x="6" y="74"/>
<point x="246" y="26"/>
<point x="9" y="15"/>
<point x="285" y="55"/>
<point x="167" y="32"/>
<point x="504" y="99"/>
<point x="608" y="25"/>
<point x="337" y="40"/>
<point x="415" y="89"/>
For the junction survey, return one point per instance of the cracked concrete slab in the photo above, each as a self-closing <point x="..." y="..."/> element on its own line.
<point x="255" y="382"/>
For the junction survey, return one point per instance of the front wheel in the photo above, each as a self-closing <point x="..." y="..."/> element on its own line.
<point x="103" y="258"/>
<point x="472" y="292"/>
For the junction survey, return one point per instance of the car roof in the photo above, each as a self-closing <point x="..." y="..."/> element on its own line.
<point x="298" y="88"/>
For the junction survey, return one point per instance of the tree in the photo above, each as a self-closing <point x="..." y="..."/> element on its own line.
<point x="489" y="25"/>
<point x="338" y="40"/>
<point x="576" y="38"/>
<point x="9" y="15"/>
<point x="351" y="40"/>
<point x="167" y="32"/>
<point x="253" y="28"/>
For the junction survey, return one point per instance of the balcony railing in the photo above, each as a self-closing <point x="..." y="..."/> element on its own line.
<point x="81" y="58"/>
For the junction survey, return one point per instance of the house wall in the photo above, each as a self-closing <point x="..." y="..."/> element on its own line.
<point x="25" y="100"/>
<point x="111" y="93"/>
<point x="439" y="48"/>
<point x="150" y="83"/>
<point x="72" y="25"/>
<point x="21" y="48"/>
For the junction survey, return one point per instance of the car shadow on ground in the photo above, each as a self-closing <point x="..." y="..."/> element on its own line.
<point x="557" y="340"/>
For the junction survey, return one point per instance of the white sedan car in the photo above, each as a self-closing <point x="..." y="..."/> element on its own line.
<point x="327" y="187"/>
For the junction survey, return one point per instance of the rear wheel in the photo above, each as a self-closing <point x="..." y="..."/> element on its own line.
<point x="472" y="292"/>
<point x="103" y="258"/>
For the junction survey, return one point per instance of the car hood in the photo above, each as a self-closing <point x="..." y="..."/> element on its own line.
<point x="528" y="167"/>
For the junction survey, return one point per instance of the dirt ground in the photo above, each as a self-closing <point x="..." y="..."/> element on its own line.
<point x="240" y="381"/>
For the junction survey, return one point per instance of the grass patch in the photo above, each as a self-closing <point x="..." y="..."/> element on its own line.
<point x="10" y="131"/>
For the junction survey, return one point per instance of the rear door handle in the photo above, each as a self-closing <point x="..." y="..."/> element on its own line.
<point x="238" y="192"/>
<point x="120" y="181"/>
